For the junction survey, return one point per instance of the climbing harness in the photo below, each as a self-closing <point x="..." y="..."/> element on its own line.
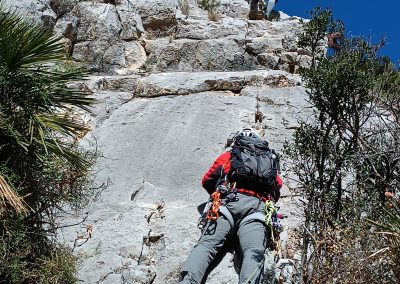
<point x="216" y="205"/>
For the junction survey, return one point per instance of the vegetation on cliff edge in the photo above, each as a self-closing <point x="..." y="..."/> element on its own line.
<point x="42" y="168"/>
<point x="346" y="157"/>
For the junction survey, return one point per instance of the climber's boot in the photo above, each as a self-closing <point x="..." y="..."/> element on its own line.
<point x="256" y="15"/>
<point x="253" y="15"/>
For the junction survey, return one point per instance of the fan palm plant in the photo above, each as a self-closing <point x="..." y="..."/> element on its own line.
<point x="42" y="166"/>
<point x="34" y="99"/>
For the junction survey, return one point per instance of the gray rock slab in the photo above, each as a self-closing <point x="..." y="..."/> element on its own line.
<point x="67" y="27"/>
<point x="234" y="8"/>
<point x="124" y="55"/>
<point x="94" y="83"/>
<point x="155" y="153"/>
<point x="169" y="152"/>
<point x="182" y="83"/>
<point x="116" y="57"/>
<point x="107" y="103"/>
<point x="63" y="7"/>
<point x="91" y="53"/>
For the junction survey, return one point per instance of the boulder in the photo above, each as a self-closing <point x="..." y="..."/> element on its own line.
<point x="263" y="44"/>
<point x="97" y="21"/>
<point x="91" y="53"/>
<point x="101" y="55"/>
<point x="202" y="28"/>
<point x="67" y="27"/>
<point x="268" y="60"/>
<point x="158" y="16"/>
<point x="62" y="7"/>
<point x="129" y="55"/>
<point x="132" y="26"/>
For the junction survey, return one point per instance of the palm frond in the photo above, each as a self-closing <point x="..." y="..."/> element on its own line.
<point x="24" y="44"/>
<point x="62" y="98"/>
<point x="60" y="124"/>
<point x="65" y="153"/>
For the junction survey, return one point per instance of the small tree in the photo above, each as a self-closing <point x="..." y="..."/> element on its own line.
<point x="346" y="156"/>
<point x="315" y="32"/>
<point x="42" y="167"/>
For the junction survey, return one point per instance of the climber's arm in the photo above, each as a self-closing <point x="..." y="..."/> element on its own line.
<point x="219" y="168"/>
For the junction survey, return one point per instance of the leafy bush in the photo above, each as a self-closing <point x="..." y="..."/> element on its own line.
<point x="346" y="157"/>
<point x="42" y="167"/>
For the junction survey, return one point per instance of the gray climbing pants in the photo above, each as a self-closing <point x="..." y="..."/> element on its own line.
<point x="251" y="236"/>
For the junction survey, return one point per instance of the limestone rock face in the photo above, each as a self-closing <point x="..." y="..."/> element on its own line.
<point x="222" y="54"/>
<point x="172" y="86"/>
<point x="62" y="7"/>
<point x="132" y="26"/>
<point x="67" y="27"/>
<point x="168" y="36"/>
<point x="158" y="16"/>
<point x="34" y="10"/>
<point x="97" y="21"/>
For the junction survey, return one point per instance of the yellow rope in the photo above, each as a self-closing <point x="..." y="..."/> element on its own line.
<point x="269" y="210"/>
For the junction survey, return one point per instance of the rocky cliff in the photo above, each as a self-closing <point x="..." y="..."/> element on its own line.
<point x="171" y="86"/>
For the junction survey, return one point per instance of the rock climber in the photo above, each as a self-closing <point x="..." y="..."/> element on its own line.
<point x="268" y="6"/>
<point x="240" y="182"/>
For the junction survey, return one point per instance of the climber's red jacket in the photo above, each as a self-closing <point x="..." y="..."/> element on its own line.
<point x="220" y="168"/>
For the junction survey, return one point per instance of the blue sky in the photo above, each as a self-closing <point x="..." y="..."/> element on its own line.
<point x="360" y="18"/>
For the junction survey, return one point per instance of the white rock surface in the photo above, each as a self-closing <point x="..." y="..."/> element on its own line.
<point x="176" y="86"/>
<point x="167" y="142"/>
<point x="183" y="83"/>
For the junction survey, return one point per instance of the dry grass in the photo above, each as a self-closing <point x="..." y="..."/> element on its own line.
<point x="211" y="6"/>
<point x="213" y="15"/>
<point x="184" y="7"/>
<point x="8" y="196"/>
